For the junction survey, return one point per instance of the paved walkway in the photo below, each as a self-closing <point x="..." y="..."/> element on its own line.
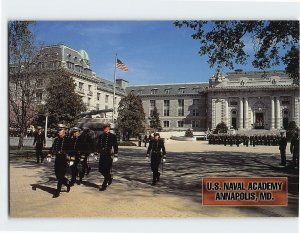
<point x="178" y="194"/>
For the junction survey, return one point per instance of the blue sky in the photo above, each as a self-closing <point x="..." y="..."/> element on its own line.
<point x="154" y="51"/>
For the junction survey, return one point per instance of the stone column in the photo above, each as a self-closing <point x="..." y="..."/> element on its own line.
<point x="241" y="114"/>
<point x="272" y="112"/>
<point x="246" y="114"/>
<point x="278" y="120"/>
<point x="226" y="112"/>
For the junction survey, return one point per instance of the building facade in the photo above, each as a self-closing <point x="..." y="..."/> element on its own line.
<point x="180" y="106"/>
<point x="96" y="92"/>
<point x="243" y="100"/>
<point x="253" y="100"/>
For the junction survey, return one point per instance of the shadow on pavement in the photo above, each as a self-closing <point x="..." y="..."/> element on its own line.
<point x="182" y="175"/>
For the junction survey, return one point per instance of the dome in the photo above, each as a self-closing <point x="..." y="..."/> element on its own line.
<point x="84" y="54"/>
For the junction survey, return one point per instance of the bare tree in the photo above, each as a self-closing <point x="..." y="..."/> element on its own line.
<point x="23" y="76"/>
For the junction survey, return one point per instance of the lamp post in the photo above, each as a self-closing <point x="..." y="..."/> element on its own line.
<point x="46" y="123"/>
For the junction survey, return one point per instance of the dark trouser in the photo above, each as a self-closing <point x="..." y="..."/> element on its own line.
<point x="283" y="157"/>
<point x="155" y="161"/>
<point x="84" y="167"/>
<point x="105" y="165"/>
<point x="296" y="158"/>
<point x="61" y="181"/>
<point x="74" y="171"/>
<point x="60" y="167"/>
<point x="39" y="153"/>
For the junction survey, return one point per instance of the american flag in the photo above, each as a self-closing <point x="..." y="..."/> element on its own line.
<point x="120" y="65"/>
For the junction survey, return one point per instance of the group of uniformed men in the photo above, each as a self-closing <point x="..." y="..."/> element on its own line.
<point x="266" y="140"/>
<point x="73" y="150"/>
<point x="227" y="139"/>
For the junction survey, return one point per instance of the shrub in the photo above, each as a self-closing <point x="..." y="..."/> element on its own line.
<point x="291" y="129"/>
<point x="221" y="128"/>
<point x="189" y="133"/>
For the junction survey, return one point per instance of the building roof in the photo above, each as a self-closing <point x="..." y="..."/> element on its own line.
<point x="253" y="79"/>
<point x="168" y="89"/>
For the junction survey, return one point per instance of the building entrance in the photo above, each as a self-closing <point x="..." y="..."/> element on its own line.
<point x="259" y="121"/>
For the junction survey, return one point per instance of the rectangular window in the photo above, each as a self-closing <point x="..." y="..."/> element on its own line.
<point x="167" y="91"/>
<point x="152" y="103"/>
<point x="166" y="103"/>
<point x="180" y="124"/>
<point x="181" y="103"/>
<point x="97" y="106"/>
<point x="181" y="90"/>
<point x="195" y="124"/>
<point x="151" y="112"/>
<point x="89" y="101"/>
<point x="39" y="96"/>
<point x="195" y="112"/>
<point x="180" y="112"/>
<point x="90" y="87"/>
<point x="106" y="98"/>
<point x="153" y="91"/>
<point x="166" y="112"/>
<point x="196" y="102"/>
<point x="166" y="124"/>
<point x="80" y="85"/>
<point x="233" y="103"/>
<point x="106" y="106"/>
<point x="98" y="96"/>
<point x="166" y="107"/>
<point x="180" y="107"/>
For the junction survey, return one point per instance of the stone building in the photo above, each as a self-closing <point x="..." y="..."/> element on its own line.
<point x="96" y="92"/>
<point x="252" y="100"/>
<point x="180" y="105"/>
<point x="243" y="100"/>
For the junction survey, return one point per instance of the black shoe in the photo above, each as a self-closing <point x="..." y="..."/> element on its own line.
<point x="55" y="195"/>
<point x="153" y="183"/>
<point x="110" y="181"/>
<point x="282" y="164"/>
<point x="72" y="183"/>
<point x="68" y="187"/>
<point x="103" y="188"/>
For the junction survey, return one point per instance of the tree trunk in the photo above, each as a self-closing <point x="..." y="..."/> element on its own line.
<point x="21" y="139"/>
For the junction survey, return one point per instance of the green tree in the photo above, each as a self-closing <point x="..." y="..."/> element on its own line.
<point x="291" y="60"/>
<point x="131" y="117"/>
<point x="189" y="133"/>
<point x="63" y="104"/>
<point x="291" y="129"/>
<point x="22" y="49"/>
<point x="154" y="120"/>
<point x="221" y="128"/>
<point x="226" y="42"/>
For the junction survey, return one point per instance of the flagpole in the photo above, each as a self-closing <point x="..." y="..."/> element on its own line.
<point x="113" y="114"/>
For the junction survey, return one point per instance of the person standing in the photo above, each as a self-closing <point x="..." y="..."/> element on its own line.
<point x="39" y="143"/>
<point x="75" y="152"/>
<point x="60" y="148"/>
<point x="294" y="148"/>
<point x="157" y="151"/>
<point x="107" y="147"/>
<point x="282" y="147"/>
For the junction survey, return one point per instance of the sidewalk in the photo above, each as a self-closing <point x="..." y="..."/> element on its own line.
<point x="178" y="194"/>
